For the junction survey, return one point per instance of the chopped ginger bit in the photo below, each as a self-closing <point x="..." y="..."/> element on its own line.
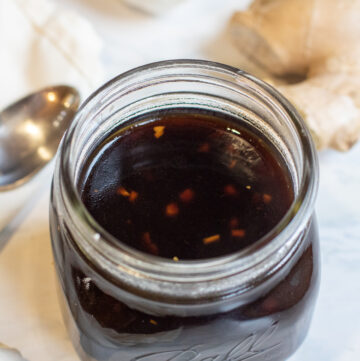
<point x="232" y="164"/>
<point x="211" y="239"/>
<point x="133" y="196"/>
<point x="204" y="148"/>
<point x="146" y="237"/>
<point x="153" y="322"/>
<point x="176" y="259"/>
<point x="172" y="210"/>
<point x="187" y="195"/>
<point x="159" y="131"/>
<point x="230" y="190"/>
<point x="234" y="223"/>
<point x="238" y="233"/>
<point x="267" y="198"/>
<point x="123" y="192"/>
<point x="149" y="244"/>
<point x="248" y="187"/>
<point x="153" y="249"/>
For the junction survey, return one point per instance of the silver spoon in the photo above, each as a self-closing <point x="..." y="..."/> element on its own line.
<point x="30" y="133"/>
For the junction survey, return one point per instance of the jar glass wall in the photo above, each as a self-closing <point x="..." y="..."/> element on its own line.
<point x="120" y="303"/>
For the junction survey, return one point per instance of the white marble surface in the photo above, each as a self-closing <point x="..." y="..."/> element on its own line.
<point x="194" y="29"/>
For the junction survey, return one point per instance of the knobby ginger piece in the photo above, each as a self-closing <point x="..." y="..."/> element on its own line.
<point x="316" y="41"/>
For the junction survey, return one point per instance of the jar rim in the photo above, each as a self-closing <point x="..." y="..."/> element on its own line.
<point x="275" y="242"/>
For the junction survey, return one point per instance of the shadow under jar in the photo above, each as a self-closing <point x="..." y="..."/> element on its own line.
<point x="182" y="219"/>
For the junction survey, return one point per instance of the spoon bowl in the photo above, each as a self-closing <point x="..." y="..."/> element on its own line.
<point x="30" y="132"/>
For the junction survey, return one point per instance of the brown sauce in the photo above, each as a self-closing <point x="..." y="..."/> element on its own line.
<point x="186" y="186"/>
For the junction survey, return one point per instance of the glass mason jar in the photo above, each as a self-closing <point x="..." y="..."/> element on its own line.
<point x="254" y="304"/>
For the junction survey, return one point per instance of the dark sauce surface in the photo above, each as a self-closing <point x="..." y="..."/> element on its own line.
<point x="185" y="185"/>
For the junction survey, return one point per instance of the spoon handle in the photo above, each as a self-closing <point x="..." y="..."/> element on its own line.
<point x="12" y="226"/>
<point x="17" y="203"/>
<point x="9" y="229"/>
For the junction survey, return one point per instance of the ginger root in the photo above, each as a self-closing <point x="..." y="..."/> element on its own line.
<point x="317" y="43"/>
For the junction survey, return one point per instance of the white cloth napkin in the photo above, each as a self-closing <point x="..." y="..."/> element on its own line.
<point x="43" y="44"/>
